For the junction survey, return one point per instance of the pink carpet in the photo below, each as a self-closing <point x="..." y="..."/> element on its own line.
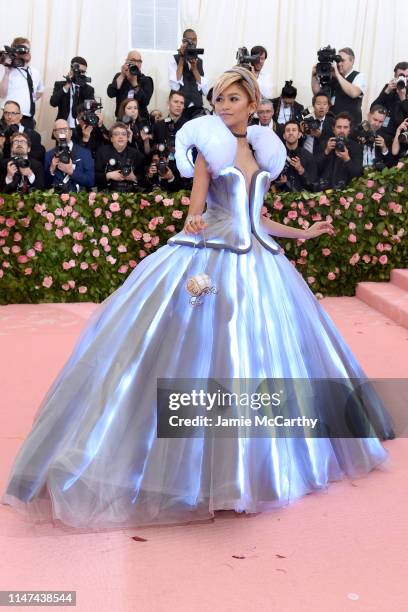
<point x="344" y="549"/>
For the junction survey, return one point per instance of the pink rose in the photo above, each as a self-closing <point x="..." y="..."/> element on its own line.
<point x="66" y="265"/>
<point x="47" y="282"/>
<point x="326" y="252"/>
<point x="381" y="190"/>
<point x="28" y="271"/>
<point x="293" y="205"/>
<point x="82" y="289"/>
<point x="92" y="197"/>
<point x="115" y="196"/>
<point x="10" y="222"/>
<point x="108" y="214"/>
<point x="397" y="208"/>
<point x="170" y="228"/>
<point x="277" y="205"/>
<point x="65" y="287"/>
<point x="292" y="214"/>
<point x="38" y="246"/>
<point x="17" y="237"/>
<point x="105" y="229"/>
<point x="25" y="222"/>
<point x="111" y="259"/>
<point x="368" y="226"/>
<point x="22" y="259"/>
<point x="383" y="260"/>
<point x="39" y="208"/>
<point x="168" y="201"/>
<point x="68" y="209"/>
<point x="399" y="189"/>
<point x="96" y="252"/>
<point x="382" y="212"/>
<point x="132" y="263"/>
<point x="146" y="237"/>
<point x="385" y="233"/>
<point x="50" y="217"/>
<point x="74" y="214"/>
<point x="4" y="233"/>
<point x="84" y="265"/>
<point x="160" y="219"/>
<point x="376" y="196"/>
<point x="352" y="238"/>
<point x="94" y="266"/>
<point x="366" y="258"/>
<point x="78" y="235"/>
<point x="72" y="200"/>
<point x="158" y="198"/>
<point x="352" y="225"/>
<point x="343" y="201"/>
<point x="185" y="200"/>
<point x="6" y="250"/>
<point x="107" y="248"/>
<point x="337" y="211"/>
<point x="64" y="197"/>
<point x="380" y="247"/>
<point x="122" y="248"/>
<point x="136" y="234"/>
<point x="66" y="231"/>
<point x="359" y="207"/>
<point x="114" y="207"/>
<point x="116" y="232"/>
<point x="142" y="254"/>
<point x="58" y="223"/>
<point x="71" y="284"/>
<point x="20" y="205"/>
<point x="128" y="212"/>
<point x="30" y="253"/>
<point x="387" y="247"/>
<point x="303" y="253"/>
<point x="153" y="224"/>
<point x="144" y="203"/>
<point x="97" y="212"/>
<point x="77" y="249"/>
<point x="331" y="276"/>
<point x="5" y="264"/>
<point x="123" y="269"/>
<point x="323" y="200"/>
<point x="177" y="214"/>
<point x="311" y="280"/>
<point x="359" y="196"/>
<point x="15" y="249"/>
<point x="370" y="183"/>
<point x="316" y="217"/>
<point x="354" y="259"/>
<point x="155" y="240"/>
<point x="103" y="241"/>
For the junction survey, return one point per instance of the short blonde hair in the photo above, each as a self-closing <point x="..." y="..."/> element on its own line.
<point x="239" y="76"/>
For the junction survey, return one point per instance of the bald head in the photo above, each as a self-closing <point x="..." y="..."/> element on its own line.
<point x="62" y="129"/>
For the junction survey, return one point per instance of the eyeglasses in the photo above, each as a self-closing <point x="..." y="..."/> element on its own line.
<point x="119" y="133"/>
<point x="61" y="129"/>
<point x="136" y="61"/>
<point x="12" y="113"/>
<point x="19" y="141"/>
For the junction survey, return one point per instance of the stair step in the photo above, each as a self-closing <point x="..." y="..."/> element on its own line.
<point x="389" y="299"/>
<point x="400" y="278"/>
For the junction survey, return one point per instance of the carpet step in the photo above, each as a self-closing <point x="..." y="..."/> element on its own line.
<point x="400" y="278"/>
<point x="388" y="298"/>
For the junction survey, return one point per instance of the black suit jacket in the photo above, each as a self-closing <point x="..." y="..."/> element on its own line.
<point x="142" y="94"/>
<point x="107" y="152"/>
<point x="62" y="99"/>
<point x="336" y="173"/>
<point x="14" y="186"/>
<point x="37" y="150"/>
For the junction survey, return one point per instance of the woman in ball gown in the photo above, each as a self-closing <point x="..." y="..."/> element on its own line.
<point x="94" y="458"/>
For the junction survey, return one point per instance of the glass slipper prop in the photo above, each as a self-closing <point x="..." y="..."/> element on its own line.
<point x="200" y="284"/>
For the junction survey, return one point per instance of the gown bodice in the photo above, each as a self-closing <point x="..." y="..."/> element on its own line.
<point x="232" y="217"/>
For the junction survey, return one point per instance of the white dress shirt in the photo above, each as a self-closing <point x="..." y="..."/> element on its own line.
<point x="265" y="84"/>
<point x="175" y="84"/>
<point x="359" y="81"/>
<point x="18" y="88"/>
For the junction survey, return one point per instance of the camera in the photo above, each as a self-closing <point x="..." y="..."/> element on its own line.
<point x="125" y="167"/>
<point x="78" y="77"/>
<point x="340" y="143"/>
<point x="162" y="165"/>
<point x="401" y="82"/>
<point x="365" y="135"/>
<point x="309" y="122"/>
<point x="9" y="130"/>
<point x="325" y="57"/>
<point x="89" y="115"/>
<point x="191" y="51"/>
<point x="63" y="153"/>
<point x="244" y="59"/>
<point x="20" y="162"/>
<point x="134" y="70"/>
<point x="10" y="56"/>
<point x="403" y="137"/>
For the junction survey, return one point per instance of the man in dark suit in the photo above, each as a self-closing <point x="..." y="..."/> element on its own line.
<point x="130" y="82"/>
<point x="393" y="97"/>
<point x="68" y="167"/>
<point x="300" y="169"/>
<point x="20" y="173"/>
<point x="71" y="92"/>
<point x="285" y="107"/>
<point x="374" y="139"/>
<point x="341" y="158"/>
<point x="11" y="123"/>
<point x="313" y="137"/>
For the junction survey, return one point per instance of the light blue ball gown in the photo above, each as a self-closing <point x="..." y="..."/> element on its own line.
<point x="93" y="459"/>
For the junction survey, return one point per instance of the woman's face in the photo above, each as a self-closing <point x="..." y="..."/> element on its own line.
<point x="233" y="106"/>
<point x="131" y="110"/>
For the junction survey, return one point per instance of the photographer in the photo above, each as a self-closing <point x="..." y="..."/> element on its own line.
<point x="130" y="82"/>
<point x="68" y="94"/>
<point x="11" y="123"/>
<point x="88" y="135"/>
<point x="264" y="79"/>
<point x="20" y="81"/>
<point x="341" y="159"/>
<point x="165" y="131"/>
<point x="300" y="170"/>
<point x="68" y="167"/>
<point x="315" y="126"/>
<point x="347" y="85"/>
<point x="400" y="142"/>
<point x="374" y="139"/>
<point x="139" y="131"/>
<point x="118" y="165"/>
<point x="285" y="107"/>
<point x="20" y="173"/>
<point x="162" y="172"/>
<point x="186" y="75"/>
<point x="391" y="96"/>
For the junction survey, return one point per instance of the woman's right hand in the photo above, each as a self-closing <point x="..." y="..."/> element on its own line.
<point x="194" y="224"/>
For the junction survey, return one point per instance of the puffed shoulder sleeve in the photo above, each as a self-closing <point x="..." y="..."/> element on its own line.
<point x="210" y="136"/>
<point x="270" y="152"/>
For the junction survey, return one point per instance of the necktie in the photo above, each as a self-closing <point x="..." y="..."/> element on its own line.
<point x="31" y="90"/>
<point x="75" y="96"/>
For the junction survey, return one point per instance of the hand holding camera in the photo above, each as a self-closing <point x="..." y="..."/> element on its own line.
<point x="296" y="164"/>
<point x="11" y="170"/>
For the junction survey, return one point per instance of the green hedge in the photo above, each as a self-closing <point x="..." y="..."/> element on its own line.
<point x="70" y="248"/>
